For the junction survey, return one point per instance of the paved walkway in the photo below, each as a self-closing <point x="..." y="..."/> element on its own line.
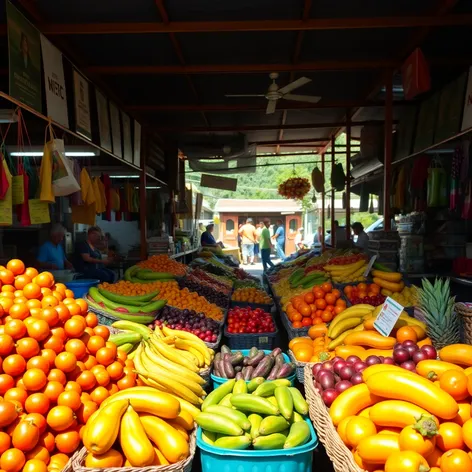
<point x="256" y="269"/>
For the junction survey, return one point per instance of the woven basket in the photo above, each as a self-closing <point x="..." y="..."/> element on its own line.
<point x="338" y="452"/>
<point x="465" y="313"/>
<point x="184" y="466"/>
<point x="68" y="466"/>
<point x="300" y="366"/>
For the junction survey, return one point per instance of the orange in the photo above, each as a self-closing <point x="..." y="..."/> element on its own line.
<point x="19" y="311"/>
<point x="318" y="293"/>
<point x="60" y="418"/>
<point x="71" y="399"/>
<point x="67" y="442"/>
<point x="31" y="272"/>
<point x="304" y="309"/>
<point x="7" y="277"/>
<point x="320" y="304"/>
<point x="330" y="299"/>
<point x="39" y="330"/>
<point x="452" y="382"/>
<point x="449" y="436"/>
<point x="8" y="288"/>
<point x="87" y="380"/>
<point x="34" y="379"/>
<point x="91" y="320"/>
<point x="15" y="328"/>
<point x="326" y="316"/>
<point x="341" y="303"/>
<point x="309" y="297"/>
<point x="297" y="324"/>
<point x="99" y="395"/>
<point x="105" y="356"/>
<point x="37" y="403"/>
<point x="454" y="460"/>
<point x="338" y="309"/>
<point x="326" y="287"/>
<point x="49" y="301"/>
<point x="63" y="312"/>
<point x="53" y="389"/>
<point x="57" y="375"/>
<point x="75" y="327"/>
<point x="32" y="290"/>
<point x="83" y="306"/>
<point x="21" y="281"/>
<point x="44" y="280"/>
<point x="16" y="266"/>
<point x="406" y="333"/>
<point x="33" y="303"/>
<point x="14" y="365"/>
<point x="306" y="321"/>
<point x="66" y="361"/>
<point x="38" y="362"/>
<point x="27" y="347"/>
<point x="50" y="316"/>
<point x="336" y="293"/>
<point x="303" y="353"/>
<point x="12" y="460"/>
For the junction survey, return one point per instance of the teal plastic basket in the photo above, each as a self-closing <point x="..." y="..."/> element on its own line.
<point x="217" y="381"/>
<point x="298" y="459"/>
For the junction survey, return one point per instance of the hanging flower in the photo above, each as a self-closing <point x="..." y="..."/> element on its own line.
<point x="294" y="188"/>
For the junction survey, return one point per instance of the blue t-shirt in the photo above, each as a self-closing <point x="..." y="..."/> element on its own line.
<point x="52" y="254"/>
<point x="84" y="248"/>
<point x="280" y="235"/>
<point x="207" y="238"/>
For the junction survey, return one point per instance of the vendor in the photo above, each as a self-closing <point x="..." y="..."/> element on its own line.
<point x="89" y="258"/>
<point x="207" y="239"/>
<point x="51" y="255"/>
<point x="362" y="237"/>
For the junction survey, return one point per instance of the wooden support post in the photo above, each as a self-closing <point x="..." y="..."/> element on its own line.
<point x="348" y="174"/>
<point x="333" y="193"/>
<point x="323" y="195"/>
<point x="142" y="198"/>
<point x="388" y="149"/>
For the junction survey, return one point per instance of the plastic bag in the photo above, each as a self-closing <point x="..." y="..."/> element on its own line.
<point x="63" y="179"/>
<point x="317" y="180"/>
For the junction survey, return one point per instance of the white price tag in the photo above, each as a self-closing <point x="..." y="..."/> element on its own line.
<point x="370" y="265"/>
<point x="388" y="316"/>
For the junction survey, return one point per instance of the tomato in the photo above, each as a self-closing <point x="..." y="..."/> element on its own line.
<point x="450" y="436"/>
<point x="405" y="461"/>
<point x="456" y="460"/>
<point x="412" y="440"/>
<point x="467" y="433"/>
<point x="12" y="460"/>
<point x="359" y="428"/>
<point x="26" y="435"/>
<point x="8" y="413"/>
<point x="455" y="383"/>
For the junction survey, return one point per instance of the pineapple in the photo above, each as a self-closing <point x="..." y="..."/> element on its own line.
<point x="437" y="306"/>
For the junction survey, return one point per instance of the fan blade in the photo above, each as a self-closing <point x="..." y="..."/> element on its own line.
<point x="294" y="85"/>
<point x="244" y="95"/>
<point x="271" y="104"/>
<point x="302" y="98"/>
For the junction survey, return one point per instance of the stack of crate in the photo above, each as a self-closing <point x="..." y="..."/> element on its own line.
<point x="385" y="245"/>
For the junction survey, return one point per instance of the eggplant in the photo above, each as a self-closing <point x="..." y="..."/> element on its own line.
<point x="286" y="370"/>
<point x="254" y="361"/>
<point x="274" y="372"/>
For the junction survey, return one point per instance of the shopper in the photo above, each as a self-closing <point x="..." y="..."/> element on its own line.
<point x="318" y="236"/>
<point x="362" y="237"/>
<point x="51" y="255"/>
<point x="260" y="227"/>
<point x="265" y="245"/>
<point x="207" y="239"/>
<point x="89" y="258"/>
<point x="279" y="238"/>
<point x="299" y="240"/>
<point x="248" y="239"/>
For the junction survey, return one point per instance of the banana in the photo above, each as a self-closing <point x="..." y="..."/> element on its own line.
<point x="157" y="371"/>
<point x="340" y="339"/>
<point x="124" y="338"/>
<point x="183" y="335"/>
<point x="355" y="311"/>
<point x="197" y="354"/>
<point x="188" y="355"/>
<point x="174" y="386"/>
<point x="272" y="424"/>
<point x="171" y="354"/>
<point x="172" y="367"/>
<point x="299" y="434"/>
<point x="233" y="415"/>
<point x="144" y="331"/>
<point x="126" y="347"/>
<point x="233" y="442"/>
<point x="343" y="326"/>
<point x="185" y="344"/>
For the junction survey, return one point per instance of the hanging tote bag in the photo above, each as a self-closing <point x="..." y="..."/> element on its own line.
<point x="6" y="204"/>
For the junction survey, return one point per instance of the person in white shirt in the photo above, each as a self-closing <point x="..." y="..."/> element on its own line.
<point x="299" y="239"/>
<point x="362" y="237"/>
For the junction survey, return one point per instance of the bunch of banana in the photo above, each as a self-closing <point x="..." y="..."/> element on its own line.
<point x="138" y="427"/>
<point x="130" y="336"/>
<point x="347" y="273"/>
<point x="351" y="319"/>
<point x="170" y="361"/>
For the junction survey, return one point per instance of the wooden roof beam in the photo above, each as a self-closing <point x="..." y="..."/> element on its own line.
<point x="259" y="25"/>
<point x="261" y="106"/>
<point x="215" y="129"/>
<point x="312" y="66"/>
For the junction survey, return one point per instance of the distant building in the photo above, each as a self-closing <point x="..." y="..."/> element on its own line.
<point x="235" y="212"/>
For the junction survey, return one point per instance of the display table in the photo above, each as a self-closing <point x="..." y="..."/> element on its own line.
<point x="233" y="251"/>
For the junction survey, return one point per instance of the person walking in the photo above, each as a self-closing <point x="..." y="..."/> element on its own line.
<point x="279" y="238"/>
<point x="265" y="245"/>
<point x="260" y="227"/>
<point x="248" y="239"/>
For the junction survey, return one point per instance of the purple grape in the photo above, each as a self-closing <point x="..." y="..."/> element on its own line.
<point x="401" y="355"/>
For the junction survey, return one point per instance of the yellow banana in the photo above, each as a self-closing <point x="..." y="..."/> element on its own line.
<point x="181" y="343"/>
<point x="187" y="406"/>
<point x="190" y="358"/>
<point x="171" y="366"/>
<point x="197" y="354"/>
<point x="103" y="430"/>
<point x="183" y="335"/>
<point x="344" y="325"/>
<point x="154" y="369"/>
<point x="340" y="339"/>
<point x="173" y="386"/>
<point x="171" y="354"/>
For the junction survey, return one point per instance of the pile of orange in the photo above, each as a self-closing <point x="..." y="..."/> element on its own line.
<point x="319" y="305"/>
<point x="124" y="287"/>
<point x="251" y="295"/>
<point x="361" y="290"/>
<point x="57" y="367"/>
<point x="311" y="349"/>
<point x="163" y="263"/>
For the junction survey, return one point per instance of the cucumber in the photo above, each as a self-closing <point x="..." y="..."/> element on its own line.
<point x="145" y="275"/>
<point x="136" y="301"/>
<point x="130" y="272"/>
<point x="99" y="298"/>
<point x="123" y="338"/>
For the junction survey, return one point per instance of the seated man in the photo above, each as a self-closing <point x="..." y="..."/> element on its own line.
<point x="51" y="255"/>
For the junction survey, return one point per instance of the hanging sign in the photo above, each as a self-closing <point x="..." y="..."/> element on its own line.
<point x="216" y="181"/>
<point x="467" y="113"/>
<point x="115" y="129"/>
<point x="54" y="83"/>
<point x="103" y="121"/>
<point x="39" y="212"/>
<point x="18" y="190"/>
<point x="137" y="144"/>
<point x="415" y="75"/>
<point x="388" y="316"/>
<point x="82" y="106"/>
<point x="24" y="55"/>
<point x="127" y="148"/>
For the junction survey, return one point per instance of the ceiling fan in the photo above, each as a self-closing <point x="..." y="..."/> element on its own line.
<point x="275" y="93"/>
